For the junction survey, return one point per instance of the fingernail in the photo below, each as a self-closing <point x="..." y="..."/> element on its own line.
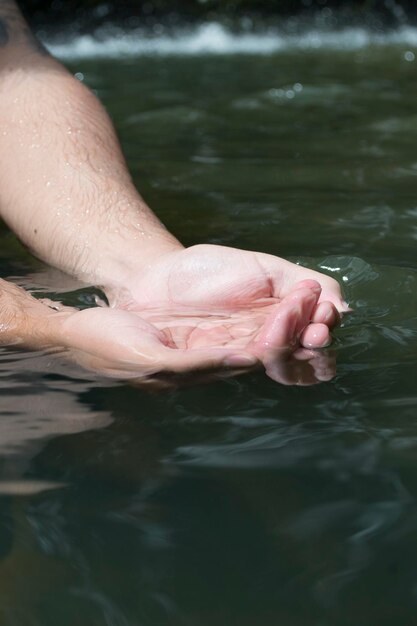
<point x="316" y="344"/>
<point x="240" y="360"/>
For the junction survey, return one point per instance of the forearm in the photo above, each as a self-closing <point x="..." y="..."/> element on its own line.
<point x="24" y="321"/>
<point x="65" y="188"/>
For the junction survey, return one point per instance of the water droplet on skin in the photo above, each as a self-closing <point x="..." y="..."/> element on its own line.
<point x="48" y="183"/>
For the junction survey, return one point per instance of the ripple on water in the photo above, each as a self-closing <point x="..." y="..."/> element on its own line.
<point x="382" y="328"/>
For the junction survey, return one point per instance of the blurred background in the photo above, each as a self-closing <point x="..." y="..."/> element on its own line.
<point x="92" y="13"/>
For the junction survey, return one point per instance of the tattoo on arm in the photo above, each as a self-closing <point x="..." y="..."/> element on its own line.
<point x="14" y="29"/>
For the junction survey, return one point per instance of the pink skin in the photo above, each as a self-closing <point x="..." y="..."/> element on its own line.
<point x="169" y="349"/>
<point x="279" y="342"/>
<point x="209" y="311"/>
<point x="173" y="309"/>
<point x="125" y="345"/>
<point x="216" y="281"/>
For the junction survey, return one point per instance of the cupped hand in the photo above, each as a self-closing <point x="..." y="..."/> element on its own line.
<point x="123" y="345"/>
<point x="216" y="279"/>
<point x="156" y="344"/>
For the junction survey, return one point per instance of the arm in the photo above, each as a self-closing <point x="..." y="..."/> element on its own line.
<point x="24" y="321"/>
<point x="65" y="189"/>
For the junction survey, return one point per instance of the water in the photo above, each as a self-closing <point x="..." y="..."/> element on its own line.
<point x="240" y="502"/>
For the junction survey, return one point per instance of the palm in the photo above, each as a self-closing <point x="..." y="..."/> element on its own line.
<point x="224" y="295"/>
<point x="206" y="307"/>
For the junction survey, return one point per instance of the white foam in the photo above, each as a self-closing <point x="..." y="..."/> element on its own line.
<point x="213" y="38"/>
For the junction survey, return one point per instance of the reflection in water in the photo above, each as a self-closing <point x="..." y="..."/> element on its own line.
<point x="189" y="528"/>
<point x="40" y="404"/>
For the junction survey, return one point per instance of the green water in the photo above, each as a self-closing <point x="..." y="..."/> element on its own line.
<point x="240" y="502"/>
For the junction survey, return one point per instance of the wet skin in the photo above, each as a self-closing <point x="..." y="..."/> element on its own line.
<point x="196" y="308"/>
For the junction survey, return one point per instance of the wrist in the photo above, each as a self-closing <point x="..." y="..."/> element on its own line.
<point x="122" y="267"/>
<point x="27" y="322"/>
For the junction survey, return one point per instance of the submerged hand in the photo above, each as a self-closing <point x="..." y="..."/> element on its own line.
<point x="158" y="344"/>
<point x="168" y="353"/>
<point x="124" y="345"/>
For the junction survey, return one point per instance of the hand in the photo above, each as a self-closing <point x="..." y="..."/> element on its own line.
<point x="211" y="280"/>
<point x="124" y="345"/>
<point x="171" y="348"/>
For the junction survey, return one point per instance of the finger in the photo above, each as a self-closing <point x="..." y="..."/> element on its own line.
<point x="326" y="313"/>
<point x="315" y="336"/>
<point x="283" y="327"/>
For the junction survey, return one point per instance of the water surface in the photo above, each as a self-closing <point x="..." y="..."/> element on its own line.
<point x="241" y="502"/>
